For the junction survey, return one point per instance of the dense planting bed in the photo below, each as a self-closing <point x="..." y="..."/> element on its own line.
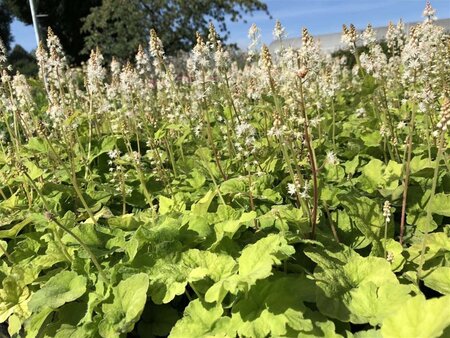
<point x="289" y="196"/>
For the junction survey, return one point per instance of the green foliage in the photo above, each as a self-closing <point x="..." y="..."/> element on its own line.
<point x="60" y="289"/>
<point x="5" y="28"/>
<point x="129" y="296"/>
<point x="419" y="317"/>
<point x="119" y="26"/>
<point x="22" y="61"/>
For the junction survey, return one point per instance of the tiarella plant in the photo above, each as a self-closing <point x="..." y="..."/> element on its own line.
<point x="279" y="194"/>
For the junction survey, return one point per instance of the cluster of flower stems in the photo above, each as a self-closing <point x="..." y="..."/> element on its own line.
<point x="272" y="104"/>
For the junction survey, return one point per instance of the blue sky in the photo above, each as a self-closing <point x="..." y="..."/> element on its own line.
<point x="319" y="16"/>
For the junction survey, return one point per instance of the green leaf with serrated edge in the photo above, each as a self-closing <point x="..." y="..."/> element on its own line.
<point x="234" y="186"/>
<point x="438" y="279"/>
<point x="197" y="180"/>
<point x="351" y="166"/>
<point x="34" y="324"/>
<point x="170" y="275"/>
<point x="257" y="259"/>
<point x="348" y="233"/>
<point x="441" y="204"/>
<point x="201" y="207"/>
<point x="437" y="246"/>
<point x="271" y="305"/>
<point x="230" y="227"/>
<point x="356" y="289"/>
<point x="130" y="296"/>
<point x="418" y="317"/>
<point x="203" y="320"/>
<point x="366" y="215"/>
<point x="165" y="205"/>
<point x="64" y="287"/>
<point x="14" y="325"/>
<point x="377" y="175"/>
<point x="255" y="263"/>
<point x="125" y="222"/>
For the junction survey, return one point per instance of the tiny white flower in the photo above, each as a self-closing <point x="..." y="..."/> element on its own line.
<point x="331" y="158"/>
<point x="387" y="211"/>
<point x="292" y="190"/>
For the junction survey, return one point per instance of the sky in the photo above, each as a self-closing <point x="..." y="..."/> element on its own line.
<point x="319" y="16"/>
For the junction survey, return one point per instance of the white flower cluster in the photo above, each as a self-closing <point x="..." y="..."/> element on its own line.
<point x="387" y="211"/>
<point x="296" y="188"/>
<point x="279" y="32"/>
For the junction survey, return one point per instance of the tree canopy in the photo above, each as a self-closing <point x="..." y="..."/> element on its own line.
<point x="117" y="27"/>
<point x="63" y="16"/>
<point x="5" y="25"/>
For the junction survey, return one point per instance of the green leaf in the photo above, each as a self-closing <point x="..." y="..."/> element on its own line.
<point x="441" y="204"/>
<point x="438" y="279"/>
<point x="372" y="139"/>
<point x="130" y="296"/>
<point x="348" y="232"/>
<point x="203" y="320"/>
<point x="165" y="204"/>
<point x="271" y="305"/>
<point x="38" y="145"/>
<point x="351" y="166"/>
<point x="418" y="317"/>
<point x="34" y="324"/>
<point x="230" y="227"/>
<point x="33" y="170"/>
<point x="271" y="195"/>
<point x="366" y="215"/>
<point x="255" y="263"/>
<point x="197" y="180"/>
<point x="356" y="289"/>
<point x="394" y="249"/>
<point x="376" y="175"/>
<point x="64" y="287"/>
<point x="170" y="275"/>
<point x="125" y="222"/>
<point x="201" y="207"/>
<point x="233" y="186"/>
<point x="257" y="259"/>
<point x="14" y="297"/>
<point x="422" y="167"/>
<point x="14" y="325"/>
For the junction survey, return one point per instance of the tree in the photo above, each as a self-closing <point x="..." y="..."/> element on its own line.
<point x="22" y="61"/>
<point x="118" y="26"/>
<point x="5" y="25"/>
<point x="63" y="16"/>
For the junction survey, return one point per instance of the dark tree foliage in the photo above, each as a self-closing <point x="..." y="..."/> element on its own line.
<point x="22" y="61"/>
<point x="118" y="26"/>
<point x="5" y="25"/>
<point x="63" y="16"/>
